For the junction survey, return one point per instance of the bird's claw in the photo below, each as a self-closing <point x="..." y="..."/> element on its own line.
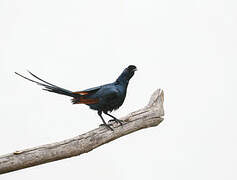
<point x="116" y="120"/>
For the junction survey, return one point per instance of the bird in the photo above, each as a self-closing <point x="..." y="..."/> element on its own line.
<point x="104" y="99"/>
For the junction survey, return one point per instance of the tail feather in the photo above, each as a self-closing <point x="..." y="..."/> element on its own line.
<point x="48" y="86"/>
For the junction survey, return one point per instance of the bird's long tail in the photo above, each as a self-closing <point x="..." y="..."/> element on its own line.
<point x="48" y="86"/>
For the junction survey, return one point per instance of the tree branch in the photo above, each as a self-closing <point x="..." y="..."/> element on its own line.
<point x="149" y="116"/>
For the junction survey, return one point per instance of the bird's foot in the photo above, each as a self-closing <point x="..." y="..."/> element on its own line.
<point x="116" y="120"/>
<point x="107" y="126"/>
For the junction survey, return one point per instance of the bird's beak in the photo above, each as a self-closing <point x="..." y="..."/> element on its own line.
<point x="135" y="69"/>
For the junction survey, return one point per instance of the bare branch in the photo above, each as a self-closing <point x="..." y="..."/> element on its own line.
<point x="149" y="116"/>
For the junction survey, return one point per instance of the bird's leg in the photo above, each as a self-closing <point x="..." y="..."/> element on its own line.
<point x="114" y="118"/>
<point x="104" y="123"/>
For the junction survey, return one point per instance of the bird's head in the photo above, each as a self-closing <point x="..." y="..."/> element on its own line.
<point x="130" y="71"/>
<point x="127" y="74"/>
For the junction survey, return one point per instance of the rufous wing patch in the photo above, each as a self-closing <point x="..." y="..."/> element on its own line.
<point x="81" y="93"/>
<point x="87" y="101"/>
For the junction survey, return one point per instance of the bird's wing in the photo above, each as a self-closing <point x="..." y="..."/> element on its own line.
<point x="85" y="96"/>
<point x="100" y="94"/>
<point x="88" y="91"/>
<point x="109" y="93"/>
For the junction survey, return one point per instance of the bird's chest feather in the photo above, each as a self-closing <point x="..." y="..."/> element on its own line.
<point x="115" y="101"/>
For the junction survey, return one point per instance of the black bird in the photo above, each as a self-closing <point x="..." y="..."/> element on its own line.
<point x="105" y="98"/>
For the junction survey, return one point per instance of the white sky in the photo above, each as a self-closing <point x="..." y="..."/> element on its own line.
<point x="187" y="47"/>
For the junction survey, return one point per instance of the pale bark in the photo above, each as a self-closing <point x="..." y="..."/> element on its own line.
<point x="149" y="116"/>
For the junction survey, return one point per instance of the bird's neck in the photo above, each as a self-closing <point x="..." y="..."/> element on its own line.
<point x="122" y="80"/>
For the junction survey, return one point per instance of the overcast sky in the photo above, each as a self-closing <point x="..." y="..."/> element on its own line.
<point x="187" y="47"/>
